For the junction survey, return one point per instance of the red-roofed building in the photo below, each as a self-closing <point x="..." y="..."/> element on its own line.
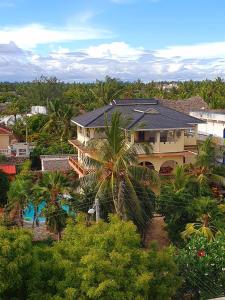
<point x="8" y="169"/>
<point x="5" y="131"/>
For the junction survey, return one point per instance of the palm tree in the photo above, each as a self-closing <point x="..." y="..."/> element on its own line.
<point x="59" y="120"/>
<point x="204" y="171"/>
<point x="66" y="116"/>
<point x="51" y="188"/>
<point x="207" y="154"/>
<point x="54" y="121"/>
<point x="106" y="91"/>
<point x="208" y="221"/>
<point x="18" y="196"/>
<point x="13" y="108"/>
<point x="181" y="178"/>
<point x="117" y="170"/>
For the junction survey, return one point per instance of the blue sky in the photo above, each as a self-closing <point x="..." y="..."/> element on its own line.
<point x="84" y="40"/>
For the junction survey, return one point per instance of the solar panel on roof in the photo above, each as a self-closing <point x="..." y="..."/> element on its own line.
<point x="135" y="102"/>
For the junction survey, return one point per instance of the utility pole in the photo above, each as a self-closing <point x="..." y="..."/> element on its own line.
<point x="97" y="210"/>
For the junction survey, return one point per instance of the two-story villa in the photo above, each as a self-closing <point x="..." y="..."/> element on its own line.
<point x="172" y="134"/>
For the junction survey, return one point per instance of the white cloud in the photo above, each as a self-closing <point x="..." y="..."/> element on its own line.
<point x="31" y="35"/>
<point x="206" y="50"/>
<point x="116" y="50"/>
<point x="116" y="59"/>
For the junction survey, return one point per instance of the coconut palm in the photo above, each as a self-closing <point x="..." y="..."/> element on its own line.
<point x="204" y="172"/>
<point x="54" y="111"/>
<point x="14" y="108"/>
<point x="181" y="179"/>
<point x="59" y="120"/>
<point x="18" y="197"/>
<point x="116" y="170"/>
<point x="66" y="116"/>
<point x="51" y="188"/>
<point x="208" y="221"/>
<point x="106" y="91"/>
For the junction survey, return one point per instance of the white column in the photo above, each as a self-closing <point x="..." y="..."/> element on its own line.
<point x="157" y="145"/>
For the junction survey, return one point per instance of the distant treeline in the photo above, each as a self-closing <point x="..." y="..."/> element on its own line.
<point x="87" y="96"/>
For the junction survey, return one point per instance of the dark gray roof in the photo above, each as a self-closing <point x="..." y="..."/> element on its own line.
<point x="141" y="114"/>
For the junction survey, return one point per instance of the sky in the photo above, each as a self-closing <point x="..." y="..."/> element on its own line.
<point x="85" y="40"/>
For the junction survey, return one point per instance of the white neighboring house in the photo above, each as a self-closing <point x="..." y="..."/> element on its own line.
<point x="215" y="125"/>
<point x="21" y="149"/>
<point x="10" y="120"/>
<point x="38" y="110"/>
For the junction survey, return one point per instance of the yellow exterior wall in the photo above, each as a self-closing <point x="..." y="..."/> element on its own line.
<point x="157" y="147"/>
<point x="82" y="134"/>
<point x="166" y="147"/>
<point x="171" y="151"/>
<point x="4" y="141"/>
<point x="190" y="141"/>
<point x="158" y="161"/>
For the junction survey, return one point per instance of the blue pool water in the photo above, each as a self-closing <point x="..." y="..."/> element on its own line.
<point x="28" y="214"/>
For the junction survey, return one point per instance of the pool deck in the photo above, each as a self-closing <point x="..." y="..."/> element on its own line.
<point x="40" y="233"/>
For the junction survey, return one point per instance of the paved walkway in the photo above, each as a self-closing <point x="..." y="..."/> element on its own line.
<point x="156" y="232"/>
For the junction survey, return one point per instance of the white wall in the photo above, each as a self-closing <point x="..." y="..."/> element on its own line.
<point x="215" y="123"/>
<point x="38" y="110"/>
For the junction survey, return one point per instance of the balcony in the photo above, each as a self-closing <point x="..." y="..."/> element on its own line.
<point x="78" y="168"/>
<point x="80" y="146"/>
<point x="151" y="140"/>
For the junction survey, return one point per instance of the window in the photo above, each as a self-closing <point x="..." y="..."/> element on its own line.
<point x="178" y="133"/>
<point x="170" y="136"/>
<point x="141" y="136"/>
<point x="80" y="129"/>
<point x="22" y="152"/>
<point x="189" y="133"/>
<point x="88" y="132"/>
<point x="163" y="136"/>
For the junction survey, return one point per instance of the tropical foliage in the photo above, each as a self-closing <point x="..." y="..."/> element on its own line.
<point x="15" y="263"/>
<point x="52" y="188"/>
<point x="102" y="261"/>
<point x="18" y="197"/>
<point x="118" y="177"/>
<point x="4" y="186"/>
<point x="202" y="264"/>
<point x="105" y="260"/>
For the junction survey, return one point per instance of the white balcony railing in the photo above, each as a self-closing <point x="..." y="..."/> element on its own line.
<point x="6" y="152"/>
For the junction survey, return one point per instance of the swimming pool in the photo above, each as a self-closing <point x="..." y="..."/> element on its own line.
<point x="28" y="214"/>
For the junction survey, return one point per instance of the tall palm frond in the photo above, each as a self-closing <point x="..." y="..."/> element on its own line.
<point x="117" y="169"/>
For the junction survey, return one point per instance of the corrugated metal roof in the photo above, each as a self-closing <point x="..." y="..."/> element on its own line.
<point x="8" y="169"/>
